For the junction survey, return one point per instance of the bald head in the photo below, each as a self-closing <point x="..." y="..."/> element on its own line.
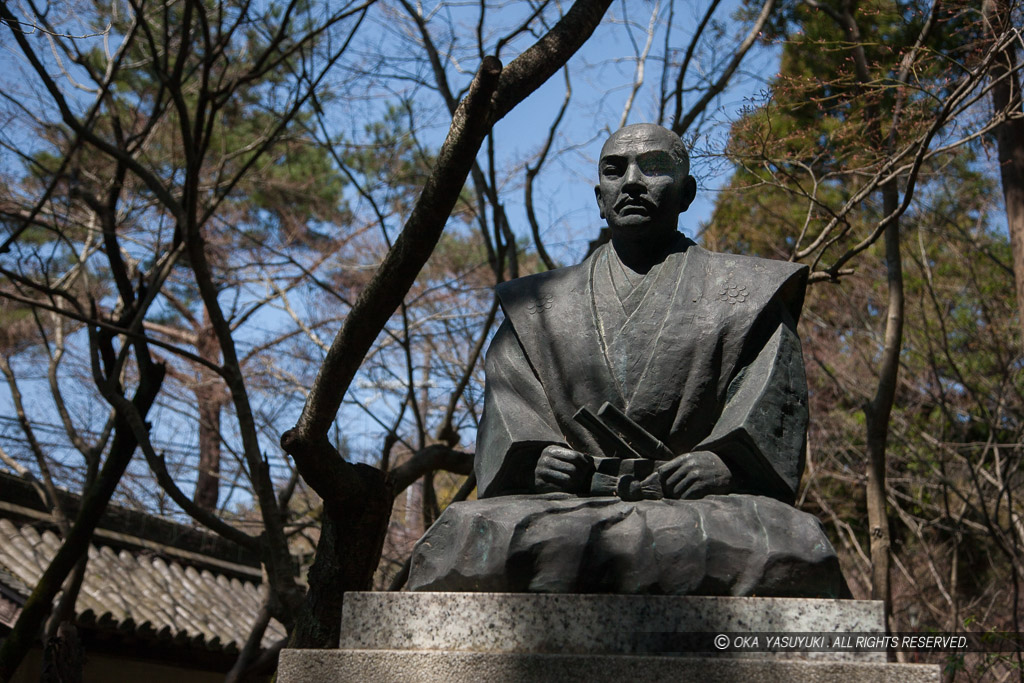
<point x="638" y="132"/>
<point x="644" y="183"/>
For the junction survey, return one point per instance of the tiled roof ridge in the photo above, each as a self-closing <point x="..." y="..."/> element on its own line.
<point x="143" y="595"/>
<point x="121" y="527"/>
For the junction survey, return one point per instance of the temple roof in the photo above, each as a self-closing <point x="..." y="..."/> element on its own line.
<point x="170" y="585"/>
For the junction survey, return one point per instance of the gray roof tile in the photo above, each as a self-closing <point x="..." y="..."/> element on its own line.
<point x="141" y="592"/>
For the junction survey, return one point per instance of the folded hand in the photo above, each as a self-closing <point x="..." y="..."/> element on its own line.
<point x="695" y="475"/>
<point x="563" y="469"/>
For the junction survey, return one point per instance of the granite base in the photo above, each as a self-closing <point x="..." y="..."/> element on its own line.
<point x="422" y="636"/>
<point x="335" y="666"/>
<point x="581" y="624"/>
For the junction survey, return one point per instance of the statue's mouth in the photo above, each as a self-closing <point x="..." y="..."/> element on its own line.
<point x="633" y="207"/>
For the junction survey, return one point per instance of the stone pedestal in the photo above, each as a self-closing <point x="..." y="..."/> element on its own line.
<point x="498" y="637"/>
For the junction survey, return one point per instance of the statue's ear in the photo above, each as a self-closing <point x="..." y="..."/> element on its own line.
<point x="600" y="201"/>
<point x="689" y="193"/>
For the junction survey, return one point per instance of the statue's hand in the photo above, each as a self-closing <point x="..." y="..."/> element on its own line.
<point x="563" y="469"/>
<point x="695" y="475"/>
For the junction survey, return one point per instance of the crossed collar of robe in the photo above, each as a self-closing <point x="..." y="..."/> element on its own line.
<point x="631" y="311"/>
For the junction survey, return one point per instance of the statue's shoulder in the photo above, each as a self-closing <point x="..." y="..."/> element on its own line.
<point x="754" y="281"/>
<point x="756" y="268"/>
<point x="537" y="291"/>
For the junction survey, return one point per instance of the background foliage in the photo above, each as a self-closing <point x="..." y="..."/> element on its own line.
<point x="199" y="199"/>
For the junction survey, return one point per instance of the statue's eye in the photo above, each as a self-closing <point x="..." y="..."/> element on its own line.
<point x="612" y="166"/>
<point x="656" y="165"/>
<point x="611" y="170"/>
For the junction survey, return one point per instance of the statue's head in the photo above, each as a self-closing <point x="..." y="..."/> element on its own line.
<point x="644" y="181"/>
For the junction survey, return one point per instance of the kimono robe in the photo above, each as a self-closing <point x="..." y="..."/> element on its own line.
<point x="702" y="352"/>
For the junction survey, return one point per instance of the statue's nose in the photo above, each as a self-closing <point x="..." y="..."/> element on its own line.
<point x="633" y="176"/>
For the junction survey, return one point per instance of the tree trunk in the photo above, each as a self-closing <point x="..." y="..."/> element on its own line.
<point x="208" y="480"/>
<point x="878" y="411"/>
<point x="63" y="656"/>
<point x="1006" y="99"/>
<point x="65" y="609"/>
<point x="211" y="398"/>
<point x="346" y="557"/>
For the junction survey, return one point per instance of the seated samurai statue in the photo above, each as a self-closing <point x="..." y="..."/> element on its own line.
<point x="645" y="416"/>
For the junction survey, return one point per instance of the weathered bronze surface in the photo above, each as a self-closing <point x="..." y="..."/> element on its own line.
<point x="642" y="408"/>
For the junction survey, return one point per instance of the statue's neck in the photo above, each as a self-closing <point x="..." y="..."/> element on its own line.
<point x="642" y="255"/>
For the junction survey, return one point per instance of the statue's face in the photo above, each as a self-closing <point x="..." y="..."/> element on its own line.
<point x="642" y="187"/>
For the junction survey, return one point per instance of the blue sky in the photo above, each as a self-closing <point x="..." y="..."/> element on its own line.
<point x="602" y="72"/>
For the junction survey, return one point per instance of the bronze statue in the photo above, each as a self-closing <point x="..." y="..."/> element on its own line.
<point x="643" y="408"/>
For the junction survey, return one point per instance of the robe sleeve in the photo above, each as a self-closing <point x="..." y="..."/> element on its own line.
<point x="762" y="430"/>
<point x="517" y="422"/>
